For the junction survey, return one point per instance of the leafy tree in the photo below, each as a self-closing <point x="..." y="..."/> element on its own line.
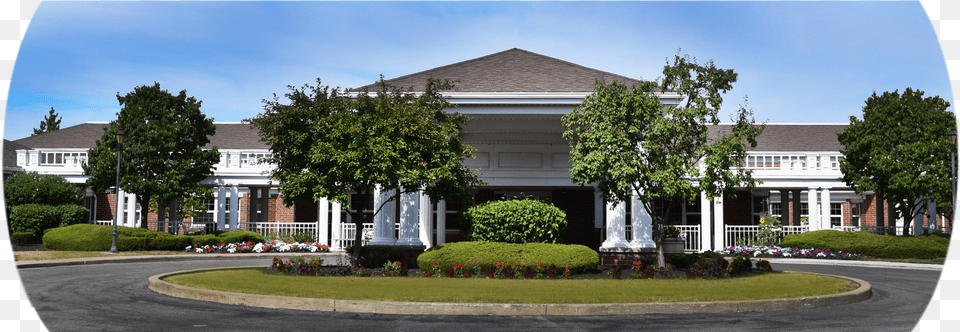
<point x="628" y="142"/>
<point x="162" y="157"/>
<point x="49" y="123"/>
<point x="900" y="151"/>
<point x="32" y="188"/>
<point x="327" y="143"/>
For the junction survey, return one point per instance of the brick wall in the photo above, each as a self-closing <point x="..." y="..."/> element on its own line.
<point x="280" y="212"/>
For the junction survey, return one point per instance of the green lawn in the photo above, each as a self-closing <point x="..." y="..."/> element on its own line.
<point x="417" y="289"/>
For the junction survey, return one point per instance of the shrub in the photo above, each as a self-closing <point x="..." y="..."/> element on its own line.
<point x="378" y="255"/>
<point x="741" y="264"/>
<point x="32" y="188"/>
<point x="23" y="238"/>
<point x="35" y="218"/>
<point x="85" y="237"/>
<point x="514" y="221"/>
<point x="710" y="264"/>
<point x="488" y="254"/>
<point x="683" y="261"/>
<point x="873" y="245"/>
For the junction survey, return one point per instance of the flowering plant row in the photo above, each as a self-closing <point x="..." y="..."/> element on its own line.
<point x="260" y="247"/>
<point x="765" y="251"/>
<point x="500" y="271"/>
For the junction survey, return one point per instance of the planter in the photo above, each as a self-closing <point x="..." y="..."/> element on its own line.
<point x="673" y="245"/>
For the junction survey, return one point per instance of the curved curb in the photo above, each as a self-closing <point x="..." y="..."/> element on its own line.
<point x="156" y="284"/>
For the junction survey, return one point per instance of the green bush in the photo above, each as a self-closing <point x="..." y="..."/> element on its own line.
<point x="514" y="221"/>
<point x="23" y="238"/>
<point x="872" y="245"/>
<point x="580" y="258"/>
<point x="683" y="261"/>
<point x="32" y="188"/>
<point x="84" y="237"/>
<point x="35" y="218"/>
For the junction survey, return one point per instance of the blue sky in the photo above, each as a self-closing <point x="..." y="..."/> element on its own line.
<point x="807" y="62"/>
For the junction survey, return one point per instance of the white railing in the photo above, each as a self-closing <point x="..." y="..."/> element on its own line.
<point x="273" y="230"/>
<point x="737" y="235"/>
<point x="346" y="237"/>
<point x="691" y="241"/>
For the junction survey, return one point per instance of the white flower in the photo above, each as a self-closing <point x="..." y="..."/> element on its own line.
<point x="231" y="250"/>
<point x="200" y="250"/>
<point x="188" y="248"/>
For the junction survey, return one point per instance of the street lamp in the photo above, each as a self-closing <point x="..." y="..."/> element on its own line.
<point x="113" y="245"/>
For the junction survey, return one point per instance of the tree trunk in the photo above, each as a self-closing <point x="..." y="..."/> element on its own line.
<point x="161" y="215"/>
<point x="357" y="216"/>
<point x="144" y="210"/>
<point x="174" y="218"/>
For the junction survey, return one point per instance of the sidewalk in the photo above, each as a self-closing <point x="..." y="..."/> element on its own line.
<point x="168" y="258"/>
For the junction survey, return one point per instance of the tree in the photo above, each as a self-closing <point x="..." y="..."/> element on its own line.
<point x="326" y="143"/>
<point x="49" y="123"/>
<point x="32" y="188"/>
<point x="900" y="151"/>
<point x="162" y="155"/>
<point x="629" y="143"/>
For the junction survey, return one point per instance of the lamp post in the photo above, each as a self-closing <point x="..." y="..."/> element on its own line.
<point x="952" y="136"/>
<point x="113" y="244"/>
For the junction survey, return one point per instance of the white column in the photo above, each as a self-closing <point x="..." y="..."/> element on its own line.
<point x="441" y="222"/>
<point x="616" y="226"/>
<point x="825" y="209"/>
<point x="642" y="225"/>
<point x="121" y="207"/>
<point x="323" y="221"/>
<point x="221" y="215"/>
<point x="426" y="222"/>
<point x="131" y="210"/>
<point x="719" y="231"/>
<point x="335" y="226"/>
<point x="705" y="225"/>
<point x="813" y="214"/>
<point x="234" y="208"/>
<point x="409" y="218"/>
<point x="382" y="222"/>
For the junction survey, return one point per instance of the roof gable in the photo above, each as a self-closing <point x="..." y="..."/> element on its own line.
<point x="513" y="70"/>
<point x="85" y="136"/>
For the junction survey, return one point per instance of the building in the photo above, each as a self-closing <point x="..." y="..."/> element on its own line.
<point x="515" y="99"/>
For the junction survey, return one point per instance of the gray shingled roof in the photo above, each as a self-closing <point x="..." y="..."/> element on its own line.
<point x="789" y="137"/>
<point x="513" y="70"/>
<point x="80" y="136"/>
<point x="10" y="153"/>
<point x="228" y="136"/>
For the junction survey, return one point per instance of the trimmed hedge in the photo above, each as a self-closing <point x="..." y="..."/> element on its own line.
<point x="580" y="258"/>
<point x="35" y="218"/>
<point x="514" y="221"/>
<point x="872" y="245"/>
<point x="85" y="237"/>
<point x="31" y="188"/>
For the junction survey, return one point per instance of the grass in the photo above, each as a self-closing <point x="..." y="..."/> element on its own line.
<point x="413" y="289"/>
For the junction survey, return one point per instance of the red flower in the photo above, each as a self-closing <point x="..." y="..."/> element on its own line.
<point x="434" y="263"/>
<point x="516" y="264"/>
<point x="223" y="244"/>
<point x="539" y="264"/>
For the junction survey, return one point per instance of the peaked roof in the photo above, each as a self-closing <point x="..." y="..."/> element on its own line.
<point x="513" y="70"/>
<point x="85" y="135"/>
<point x="793" y="137"/>
<point x="10" y="153"/>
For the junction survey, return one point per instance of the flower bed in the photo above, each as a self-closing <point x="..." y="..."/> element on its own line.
<point x="778" y="252"/>
<point x="260" y="247"/>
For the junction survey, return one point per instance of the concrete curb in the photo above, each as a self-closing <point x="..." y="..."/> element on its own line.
<point x="165" y="258"/>
<point x="156" y="284"/>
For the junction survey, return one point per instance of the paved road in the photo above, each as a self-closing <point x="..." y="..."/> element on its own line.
<point x="114" y="297"/>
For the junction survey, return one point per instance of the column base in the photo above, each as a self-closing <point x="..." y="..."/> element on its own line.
<point x="410" y="242"/>
<point x="642" y="244"/>
<point x="382" y="242"/>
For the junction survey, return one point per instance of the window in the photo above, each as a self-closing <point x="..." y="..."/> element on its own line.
<point x="836" y="214"/>
<point x="63" y="158"/>
<point x="855" y="214"/>
<point x="804" y="210"/>
<point x="775" y="209"/>
<point x="254" y="159"/>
